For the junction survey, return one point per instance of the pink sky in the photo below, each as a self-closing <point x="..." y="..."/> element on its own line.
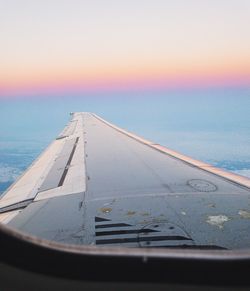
<point x="122" y="45"/>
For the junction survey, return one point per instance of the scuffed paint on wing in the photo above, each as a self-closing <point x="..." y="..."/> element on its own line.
<point x="244" y="214"/>
<point x="217" y="220"/>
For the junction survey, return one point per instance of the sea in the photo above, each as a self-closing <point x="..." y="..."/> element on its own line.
<point x="211" y="125"/>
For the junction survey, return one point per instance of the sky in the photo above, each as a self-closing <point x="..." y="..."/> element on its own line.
<point x="64" y="46"/>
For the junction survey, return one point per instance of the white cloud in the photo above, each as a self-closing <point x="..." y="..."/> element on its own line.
<point x="245" y="172"/>
<point x="8" y="174"/>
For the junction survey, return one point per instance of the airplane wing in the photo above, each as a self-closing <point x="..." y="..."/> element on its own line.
<point x="97" y="184"/>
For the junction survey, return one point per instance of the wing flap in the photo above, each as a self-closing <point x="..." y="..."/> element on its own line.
<point x="59" y="167"/>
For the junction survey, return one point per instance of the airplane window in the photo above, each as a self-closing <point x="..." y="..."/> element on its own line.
<point x="125" y="127"/>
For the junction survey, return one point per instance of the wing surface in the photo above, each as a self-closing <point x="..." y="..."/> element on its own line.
<point x="98" y="184"/>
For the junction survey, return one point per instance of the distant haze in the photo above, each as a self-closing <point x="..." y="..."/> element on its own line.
<point x="210" y="125"/>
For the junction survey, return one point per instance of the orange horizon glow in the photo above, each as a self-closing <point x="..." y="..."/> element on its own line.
<point x="124" y="81"/>
<point x="121" y="85"/>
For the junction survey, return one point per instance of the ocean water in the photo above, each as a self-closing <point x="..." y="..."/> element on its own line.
<point x="212" y="125"/>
